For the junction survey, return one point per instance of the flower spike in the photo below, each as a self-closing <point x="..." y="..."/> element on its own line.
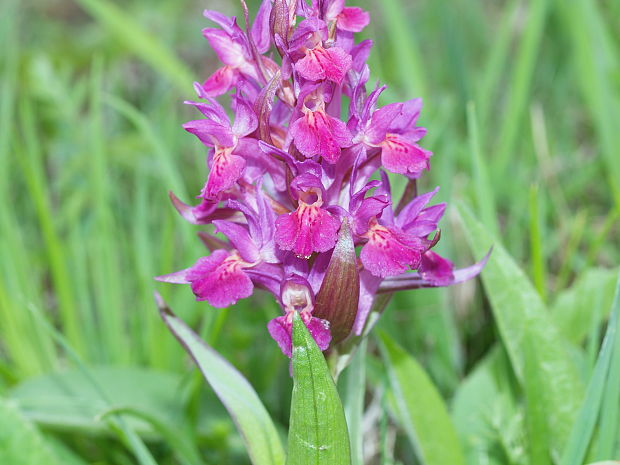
<point x="297" y="199"/>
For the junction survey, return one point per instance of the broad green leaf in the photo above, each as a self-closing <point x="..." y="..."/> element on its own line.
<point x="422" y="410"/>
<point x="243" y="404"/>
<point x="536" y="423"/>
<point x="70" y="400"/>
<point x="484" y="411"/>
<point x="318" y="429"/>
<point x="521" y="316"/>
<point x="21" y="443"/>
<point x="583" y="429"/>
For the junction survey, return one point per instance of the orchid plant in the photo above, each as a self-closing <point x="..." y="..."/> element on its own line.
<point x="297" y="187"/>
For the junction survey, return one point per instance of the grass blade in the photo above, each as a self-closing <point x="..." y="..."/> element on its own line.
<point x="521" y="81"/>
<point x="318" y="429"/>
<point x="422" y="409"/>
<point x="354" y="387"/>
<point x="608" y="428"/>
<point x="247" y="411"/>
<point x="583" y="428"/>
<point x="484" y="193"/>
<point x="135" y="38"/>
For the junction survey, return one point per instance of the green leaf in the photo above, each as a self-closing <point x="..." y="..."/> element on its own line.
<point x="21" y="443"/>
<point x="422" y="410"/>
<point x="535" y="411"/>
<point x="484" y="411"/>
<point x="69" y="400"/>
<point x="521" y="316"/>
<point x="318" y="429"/>
<point x="243" y="404"/>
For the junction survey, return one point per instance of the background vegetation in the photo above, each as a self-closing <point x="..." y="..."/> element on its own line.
<point x="522" y="102"/>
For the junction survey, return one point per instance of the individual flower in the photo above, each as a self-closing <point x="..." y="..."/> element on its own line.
<point x="310" y="228"/>
<point x="296" y="296"/>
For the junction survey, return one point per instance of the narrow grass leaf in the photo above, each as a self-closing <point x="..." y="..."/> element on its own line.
<point x="521" y="80"/>
<point x="318" y="429"/>
<point x="595" y="58"/>
<point x="247" y="411"/>
<point x="422" y="410"/>
<point x="536" y="244"/>
<point x="406" y="54"/>
<point x="353" y="383"/>
<point x="583" y="428"/>
<point x="484" y="193"/>
<point x="134" y="37"/>
<point x="608" y="428"/>
<point x="520" y="316"/>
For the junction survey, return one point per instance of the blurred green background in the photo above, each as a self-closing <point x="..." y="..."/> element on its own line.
<point x="522" y="103"/>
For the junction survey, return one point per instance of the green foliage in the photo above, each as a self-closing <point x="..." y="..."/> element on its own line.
<point x="318" y="429"/>
<point x="69" y="399"/>
<point x="421" y="408"/>
<point x="537" y="352"/>
<point x="250" y="416"/>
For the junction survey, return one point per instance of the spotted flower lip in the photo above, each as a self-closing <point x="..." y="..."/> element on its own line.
<point x="297" y="200"/>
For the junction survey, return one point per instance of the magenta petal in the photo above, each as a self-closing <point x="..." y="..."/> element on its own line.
<point x="308" y="229"/>
<point x="319" y="330"/>
<point x="320" y="63"/>
<point x="199" y="214"/>
<point x="389" y="252"/>
<point x="381" y="121"/>
<point x="280" y="331"/>
<point x="353" y="19"/>
<point x="398" y="155"/>
<point x="281" y="328"/>
<point x="226" y="169"/>
<point x="239" y="238"/>
<point x="210" y="132"/>
<point x="318" y="134"/>
<point x="219" y="82"/>
<point x="260" y="28"/>
<point x="416" y="281"/>
<point x="436" y="269"/>
<point x="219" y="279"/>
<point x="228" y="51"/>
<point x="246" y="120"/>
<point x="369" y="284"/>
